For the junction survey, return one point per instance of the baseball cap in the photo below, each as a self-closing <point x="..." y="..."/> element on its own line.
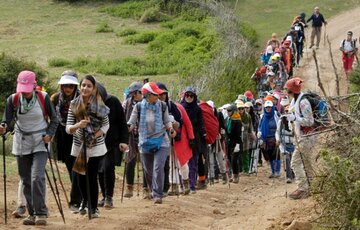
<point x="268" y="104"/>
<point x="135" y="86"/>
<point x="151" y="87"/>
<point x="26" y="82"/>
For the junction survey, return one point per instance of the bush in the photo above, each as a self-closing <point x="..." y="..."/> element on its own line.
<point x="126" y="32"/>
<point x="153" y="14"/>
<point x="10" y="67"/>
<point x="104" y="28"/>
<point x="144" y="37"/>
<point x="58" y="62"/>
<point x="130" y="9"/>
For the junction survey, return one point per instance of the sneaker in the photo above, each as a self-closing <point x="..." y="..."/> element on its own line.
<point x="216" y="180"/>
<point x="235" y="179"/>
<point x="101" y="202"/>
<point x="30" y="220"/>
<point x="192" y="191"/>
<point x="19" y="211"/>
<point x="157" y="200"/>
<point x="40" y="220"/>
<point x="311" y="46"/>
<point x="260" y="164"/>
<point x="299" y="194"/>
<point x="202" y="185"/>
<point x="74" y="208"/>
<point x="129" y="191"/>
<point x="108" y="204"/>
<point x="288" y="180"/>
<point x="146" y="194"/>
<point x="83" y="209"/>
<point x="224" y="178"/>
<point x="95" y="213"/>
<point x="272" y="176"/>
<point x="277" y="175"/>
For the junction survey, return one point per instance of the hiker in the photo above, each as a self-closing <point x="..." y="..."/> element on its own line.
<point x="265" y="57"/>
<point x="88" y="122"/>
<point x="285" y="140"/>
<point x="152" y="117"/>
<point x="266" y="133"/>
<point x="349" y="49"/>
<point x="116" y="142"/>
<point x="249" y="109"/>
<point x="61" y="100"/>
<point x="189" y="102"/>
<point x="31" y="110"/>
<point x="317" y="21"/>
<point x="301" y="114"/>
<point x="135" y="96"/>
<point x="171" y="177"/>
<point x="274" y="41"/>
<point x="233" y="135"/>
<point x="247" y="136"/>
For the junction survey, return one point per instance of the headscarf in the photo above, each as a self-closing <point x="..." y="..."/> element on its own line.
<point x="191" y="108"/>
<point x="234" y="117"/>
<point x="63" y="105"/>
<point x="265" y="122"/>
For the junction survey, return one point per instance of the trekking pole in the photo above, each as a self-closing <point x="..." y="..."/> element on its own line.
<point x="223" y="146"/>
<point x="138" y="172"/>
<point x="324" y="35"/>
<point x="53" y="192"/>
<point x="124" y="176"/>
<point x="61" y="183"/>
<point x="301" y="156"/>
<point x="4" y="166"/>
<point x="172" y="165"/>
<point x="54" y="178"/>
<point x="176" y="169"/>
<point x="285" y="167"/>
<point x="87" y="177"/>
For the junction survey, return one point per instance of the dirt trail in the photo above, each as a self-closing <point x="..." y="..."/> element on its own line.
<point x="255" y="203"/>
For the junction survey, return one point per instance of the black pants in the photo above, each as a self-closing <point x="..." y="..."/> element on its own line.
<point x="167" y="172"/>
<point x="107" y="174"/>
<point x="93" y="166"/>
<point x="130" y="172"/>
<point x="202" y="170"/>
<point x="75" y="193"/>
<point x="235" y="161"/>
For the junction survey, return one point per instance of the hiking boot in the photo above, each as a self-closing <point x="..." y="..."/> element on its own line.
<point x="108" y="204"/>
<point x="30" y="220"/>
<point x="272" y="176"/>
<point x="202" y="185"/>
<point x="235" y="178"/>
<point x="277" y="175"/>
<point x="101" y="202"/>
<point x="129" y="191"/>
<point x="311" y="46"/>
<point x="224" y="178"/>
<point x="174" y="191"/>
<point x="186" y="184"/>
<point x="157" y="200"/>
<point x="146" y="194"/>
<point x="74" y="208"/>
<point x="299" y="194"/>
<point x="289" y="180"/>
<point x="19" y="211"/>
<point x="83" y="208"/>
<point x="95" y="213"/>
<point x="40" y="220"/>
<point x="192" y="191"/>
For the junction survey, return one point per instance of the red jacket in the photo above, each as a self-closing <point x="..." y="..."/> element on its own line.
<point x="182" y="148"/>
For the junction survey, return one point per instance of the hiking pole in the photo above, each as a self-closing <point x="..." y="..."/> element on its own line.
<point x="4" y="166"/>
<point x="285" y="167"/>
<point x="61" y="183"/>
<point x="124" y="176"/>
<point x="53" y="192"/>
<point x="223" y="146"/>
<point x="176" y="173"/>
<point x="54" y="178"/>
<point x="87" y="177"/>
<point x="324" y="35"/>
<point x="138" y="172"/>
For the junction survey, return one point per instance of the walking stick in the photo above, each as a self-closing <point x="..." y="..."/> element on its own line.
<point x="223" y="146"/>
<point x="124" y="176"/>
<point x="87" y="177"/>
<point x="4" y="165"/>
<point x="61" y="183"/>
<point x="175" y="167"/>
<point x="54" y="178"/>
<point x="53" y="192"/>
<point x="324" y="35"/>
<point x="138" y="172"/>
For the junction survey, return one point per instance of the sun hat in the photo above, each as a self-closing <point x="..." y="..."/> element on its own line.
<point x="268" y="104"/>
<point x="294" y="85"/>
<point x="26" y="82"/>
<point x="285" y="101"/>
<point x="211" y="103"/>
<point x="248" y="104"/>
<point x="135" y="86"/>
<point x="151" y="87"/>
<point x="69" y="77"/>
<point x="240" y="105"/>
<point x="258" y="101"/>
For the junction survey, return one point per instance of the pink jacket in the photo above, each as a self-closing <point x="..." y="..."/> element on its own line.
<point x="182" y="148"/>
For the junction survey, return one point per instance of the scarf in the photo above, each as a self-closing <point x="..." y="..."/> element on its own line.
<point x="236" y="117"/>
<point x="63" y="105"/>
<point x="264" y="126"/>
<point x="145" y="105"/>
<point x="191" y="108"/>
<point x="27" y="105"/>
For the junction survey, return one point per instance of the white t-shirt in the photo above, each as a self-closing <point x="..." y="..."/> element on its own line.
<point x="348" y="46"/>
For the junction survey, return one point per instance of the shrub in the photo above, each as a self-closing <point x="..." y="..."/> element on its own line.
<point x="126" y="32"/>
<point x="153" y="14"/>
<point x="10" y="67"/>
<point x="130" y="9"/>
<point x="58" y="62"/>
<point x="144" y="37"/>
<point x="104" y="28"/>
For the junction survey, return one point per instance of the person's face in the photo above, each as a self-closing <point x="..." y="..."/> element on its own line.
<point x="349" y="37"/>
<point x="27" y="95"/>
<point x="241" y="110"/>
<point x="189" y="97"/>
<point x="68" y="89"/>
<point x="317" y="11"/>
<point x="278" y="87"/>
<point x="137" y="95"/>
<point x="247" y="109"/>
<point x="162" y="97"/>
<point x="86" y="88"/>
<point x="259" y="106"/>
<point x="290" y="93"/>
<point x="152" y="98"/>
<point x="268" y="109"/>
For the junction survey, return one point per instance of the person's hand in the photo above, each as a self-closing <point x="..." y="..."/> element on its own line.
<point x="258" y="134"/>
<point x="83" y="123"/>
<point x="2" y="129"/>
<point x="99" y="133"/>
<point x="172" y="133"/>
<point x="291" y="117"/>
<point x="123" y="147"/>
<point x="46" y="139"/>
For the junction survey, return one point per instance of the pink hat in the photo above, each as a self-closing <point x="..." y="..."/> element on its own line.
<point x="26" y="82"/>
<point x="294" y="85"/>
<point x="249" y="95"/>
<point x="151" y="87"/>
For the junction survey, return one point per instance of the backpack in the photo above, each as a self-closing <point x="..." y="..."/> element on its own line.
<point x="353" y="44"/>
<point x="319" y="109"/>
<point x="40" y="98"/>
<point x="210" y="121"/>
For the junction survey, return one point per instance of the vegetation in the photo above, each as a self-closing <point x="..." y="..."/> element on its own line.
<point x="104" y="28"/>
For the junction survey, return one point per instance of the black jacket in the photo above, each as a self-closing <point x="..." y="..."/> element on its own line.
<point x="317" y="21"/>
<point x="234" y="137"/>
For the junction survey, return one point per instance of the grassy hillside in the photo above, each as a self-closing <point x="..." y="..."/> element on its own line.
<point x="267" y="17"/>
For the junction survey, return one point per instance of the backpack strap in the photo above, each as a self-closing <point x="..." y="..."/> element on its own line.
<point x="40" y="98"/>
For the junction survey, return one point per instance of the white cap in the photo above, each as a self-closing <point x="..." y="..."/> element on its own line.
<point x="68" y="79"/>
<point x="285" y="101"/>
<point x="268" y="104"/>
<point x="289" y="38"/>
<point x="277" y="96"/>
<point x="211" y="103"/>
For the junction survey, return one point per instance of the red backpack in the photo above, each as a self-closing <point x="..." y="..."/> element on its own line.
<point x="210" y="121"/>
<point x="40" y="97"/>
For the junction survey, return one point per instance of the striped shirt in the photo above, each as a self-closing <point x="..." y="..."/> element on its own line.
<point x="98" y="149"/>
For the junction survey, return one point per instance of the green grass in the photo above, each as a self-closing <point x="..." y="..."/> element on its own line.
<point x="276" y="16"/>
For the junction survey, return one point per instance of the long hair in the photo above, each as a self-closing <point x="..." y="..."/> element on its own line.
<point x="78" y="106"/>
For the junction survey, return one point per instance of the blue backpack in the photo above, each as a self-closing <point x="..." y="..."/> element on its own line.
<point x="319" y="108"/>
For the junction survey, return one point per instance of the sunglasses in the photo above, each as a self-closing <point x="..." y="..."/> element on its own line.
<point x="241" y="108"/>
<point x="189" y="95"/>
<point x="139" y="92"/>
<point x="69" y="86"/>
<point x="268" y="107"/>
<point x="156" y="95"/>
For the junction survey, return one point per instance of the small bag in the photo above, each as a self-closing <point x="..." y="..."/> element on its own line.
<point x="290" y="148"/>
<point x="152" y="145"/>
<point x="270" y="143"/>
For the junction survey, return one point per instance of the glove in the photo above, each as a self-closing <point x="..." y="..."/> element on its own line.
<point x="258" y="134"/>
<point x="261" y="142"/>
<point x="172" y="119"/>
<point x="192" y="143"/>
<point x="291" y="117"/>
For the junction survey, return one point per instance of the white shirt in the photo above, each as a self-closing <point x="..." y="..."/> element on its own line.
<point x="348" y="45"/>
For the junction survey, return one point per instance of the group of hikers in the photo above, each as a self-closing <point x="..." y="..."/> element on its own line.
<point x="182" y="145"/>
